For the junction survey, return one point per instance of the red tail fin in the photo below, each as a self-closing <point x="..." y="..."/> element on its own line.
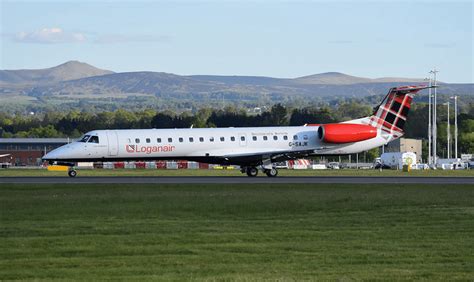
<point x="391" y="114"/>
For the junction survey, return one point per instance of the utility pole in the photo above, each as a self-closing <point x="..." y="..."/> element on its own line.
<point x="435" y="129"/>
<point x="448" y="133"/>
<point x="455" y="126"/>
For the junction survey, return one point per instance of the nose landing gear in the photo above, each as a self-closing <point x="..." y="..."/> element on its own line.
<point x="72" y="172"/>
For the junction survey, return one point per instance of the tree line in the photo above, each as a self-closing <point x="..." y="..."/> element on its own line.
<point x="75" y="123"/>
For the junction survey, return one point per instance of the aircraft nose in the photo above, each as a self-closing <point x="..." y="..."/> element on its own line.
<point x="51" y="155"/>
<point x="55" y="154"/>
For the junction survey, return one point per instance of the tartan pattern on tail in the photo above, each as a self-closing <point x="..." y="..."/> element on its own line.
<point x="391" y="114"/>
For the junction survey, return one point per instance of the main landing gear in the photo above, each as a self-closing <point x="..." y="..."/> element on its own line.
<point x="273" y="172"/>
<point x="252" y="171"/>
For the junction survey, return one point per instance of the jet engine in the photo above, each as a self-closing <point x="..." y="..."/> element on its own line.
<point x="345" y="132"/>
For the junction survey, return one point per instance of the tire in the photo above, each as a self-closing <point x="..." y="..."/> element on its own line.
<point x="252" y="171"/>
<point x="72" y="173"/>
<point x="271" y="172"/>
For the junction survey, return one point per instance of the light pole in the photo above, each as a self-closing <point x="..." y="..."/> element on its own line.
<point x="455" y="126"/>
<point x="448" y="133"/>
<point x="430" y="132"/>
<point x="435" y="129"/>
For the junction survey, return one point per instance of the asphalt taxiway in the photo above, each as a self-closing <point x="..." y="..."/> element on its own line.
<point x="238" y="180"/>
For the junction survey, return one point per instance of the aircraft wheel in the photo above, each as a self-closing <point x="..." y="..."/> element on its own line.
<point x="72" y="173"/>
<point x="271" y="172"/>
<point x="252" y="171"/>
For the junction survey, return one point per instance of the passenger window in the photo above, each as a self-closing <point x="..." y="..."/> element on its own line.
<point x="211" y="139"/>
<point x="201" y="139"/>
<point x="170" y="140"/>
<point x="275" y="137"/>
<point x="137" y="140"/>
<point x="84" y="139"/>
<point x="305" y="137"/>
<point x="232" y="138"/>
<point x="158" y="140"/>
<point x="242" y="138"/>
<point x="180" y="139"/>
<point x="222" y="139"/>
<point x="129" y="140"/>
<point x="94" y="139"/>
<point x="148" y="140"/>
<point x="265" y="138"/>
<point x="254" y="138"/>
<point x="285" y="137"/>
<point x="295" y="137"/>
<point x="191" y="139"/>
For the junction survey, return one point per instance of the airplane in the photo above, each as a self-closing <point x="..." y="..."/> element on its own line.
<point x="254" y="149"/>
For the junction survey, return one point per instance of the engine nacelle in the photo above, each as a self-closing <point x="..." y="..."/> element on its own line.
<point x="345" y="132"/>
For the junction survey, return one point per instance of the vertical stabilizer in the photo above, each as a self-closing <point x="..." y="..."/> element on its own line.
<point x="390" y="116"/>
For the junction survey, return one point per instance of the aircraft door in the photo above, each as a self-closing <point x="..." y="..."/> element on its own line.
<point x="113" y="142"/>
<point x="242" y="139"/>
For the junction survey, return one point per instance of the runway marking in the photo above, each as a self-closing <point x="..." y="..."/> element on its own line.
<point x="237" y="180"/>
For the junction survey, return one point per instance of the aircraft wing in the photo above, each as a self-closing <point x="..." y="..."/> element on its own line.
<point x="258" y="157"/>
<point x="4" y="155"/>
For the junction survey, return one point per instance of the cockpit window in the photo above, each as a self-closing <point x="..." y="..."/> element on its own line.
<point x="84" y="139"/>
<point x="94" y="139"/>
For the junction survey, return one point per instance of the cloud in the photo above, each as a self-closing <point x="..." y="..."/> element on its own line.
<point x="122" y="38"/>
<point x="55" y="35"/>
<point x="49" y="36"/>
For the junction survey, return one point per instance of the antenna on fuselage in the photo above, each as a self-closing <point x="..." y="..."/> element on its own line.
<point x="191" y="126"/>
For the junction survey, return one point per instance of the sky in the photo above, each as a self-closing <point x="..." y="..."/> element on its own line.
<point x="284" y="39"/>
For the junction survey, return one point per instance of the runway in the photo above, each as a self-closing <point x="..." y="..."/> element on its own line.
<point x="237" y="180"/>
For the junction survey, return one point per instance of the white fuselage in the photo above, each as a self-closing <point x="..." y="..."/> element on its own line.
<point x="202" y="143"/>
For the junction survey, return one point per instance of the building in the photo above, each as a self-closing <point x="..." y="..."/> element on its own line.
<point x="404" y="145"/>
<point x="28" y="151"/>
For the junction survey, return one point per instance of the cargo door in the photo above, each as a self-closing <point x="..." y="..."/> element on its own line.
<point x="113" y="142"/>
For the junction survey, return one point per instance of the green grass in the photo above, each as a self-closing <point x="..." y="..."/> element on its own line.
<point x="235" y="172"/>
<point x="236" y="232"/>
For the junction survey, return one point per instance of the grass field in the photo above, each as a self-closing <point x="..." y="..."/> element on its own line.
<point x="235" y="172"/>
<point x="236" y="232"/>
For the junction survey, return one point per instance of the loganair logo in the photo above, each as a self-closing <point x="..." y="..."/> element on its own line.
<point x="148" y="149"/>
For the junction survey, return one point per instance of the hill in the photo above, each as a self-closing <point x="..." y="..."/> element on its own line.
<point x="79" y="85"/>
<point x="68" y="71"/>
<point x="337" y="78"/>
